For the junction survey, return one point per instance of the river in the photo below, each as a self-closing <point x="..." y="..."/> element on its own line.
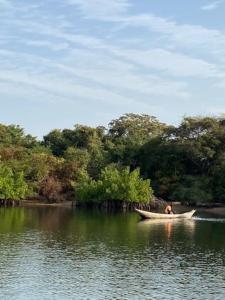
<point x="63" y="253"/>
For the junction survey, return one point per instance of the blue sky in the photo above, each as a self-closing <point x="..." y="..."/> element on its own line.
<point x="64" y="62"/>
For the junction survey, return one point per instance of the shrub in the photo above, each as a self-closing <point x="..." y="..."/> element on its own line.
<point x="115" y="184"/>
<point x="12" y="185"/>
<point x="51" y="188"/>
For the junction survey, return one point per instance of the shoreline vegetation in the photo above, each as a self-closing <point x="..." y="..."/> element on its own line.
<point x="131" y="163"/>
<point x="216" y="210"/>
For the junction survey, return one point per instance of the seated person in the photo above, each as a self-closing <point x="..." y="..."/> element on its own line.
<point x="168" y="209"/>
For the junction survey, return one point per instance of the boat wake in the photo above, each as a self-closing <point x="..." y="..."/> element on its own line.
<point x="208" y="219"/>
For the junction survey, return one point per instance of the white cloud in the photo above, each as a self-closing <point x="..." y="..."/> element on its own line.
<point x="211" y="6"/>
<point x="182" y="35"/>
<point x="100" y="8"/>
<point x="173" y="63"/>
<point x="94" y="71"/>
<point x="165" y="63"/>
<point x="179" y="36"/>
<point x="64" y="87"/>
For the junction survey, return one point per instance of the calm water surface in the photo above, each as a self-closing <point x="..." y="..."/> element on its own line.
<point x="55" y="253"/>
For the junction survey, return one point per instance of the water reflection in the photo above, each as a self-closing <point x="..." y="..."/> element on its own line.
<point x="55" y="253"/>
<point x="168" y="227"/>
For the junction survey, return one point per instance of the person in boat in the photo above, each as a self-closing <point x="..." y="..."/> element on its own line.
<point x="169" y="210"/>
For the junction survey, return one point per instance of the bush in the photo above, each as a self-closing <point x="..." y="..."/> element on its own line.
<point x="51" y="188"/>
<point x="12" y="185"/>
<point x="115" y="184"/>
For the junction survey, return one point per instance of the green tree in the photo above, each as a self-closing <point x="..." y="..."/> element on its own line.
<point x="12" y="185"/>
<point x="128" y="133"/>
<point x="193" y="190"/>
<point x="56" y="142"/>
<point x="14" y="135"/>
<point x="187" y="160"/>
<point x="137" y="128"/>
<point x="115" y="184"/>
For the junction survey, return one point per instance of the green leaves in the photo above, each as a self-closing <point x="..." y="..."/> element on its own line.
<point x="12" y="185"/>
<point x="115" y="184"/>
<point x="193" y="190"/>
<point x="14" y="134"/>
<point x="137" y="128"/>
<point x="185" y="163"/>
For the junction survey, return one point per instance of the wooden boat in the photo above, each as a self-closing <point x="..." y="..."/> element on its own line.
<point x="150" y="215"/>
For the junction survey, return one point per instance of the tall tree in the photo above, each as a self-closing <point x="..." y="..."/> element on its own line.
<point x="128" y="133"/>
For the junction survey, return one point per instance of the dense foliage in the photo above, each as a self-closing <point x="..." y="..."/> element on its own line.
<point x="184" y="163"/>
<point x="12" y="186"/>
<point x="115" y="184"/>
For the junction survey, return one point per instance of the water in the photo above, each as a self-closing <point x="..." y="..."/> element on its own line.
<point x="55" y="253"/>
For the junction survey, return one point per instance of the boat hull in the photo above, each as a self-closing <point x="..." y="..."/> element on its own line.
<point x="150" y="215"/>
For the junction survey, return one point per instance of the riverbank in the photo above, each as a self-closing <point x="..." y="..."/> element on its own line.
<point x="107" y="205"/>
<point x="9" y="203"/>
<point x="41" y="203"/>
<point x="218" y="209"/>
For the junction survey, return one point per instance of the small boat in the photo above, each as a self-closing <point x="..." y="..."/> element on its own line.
<point x="150" y="215"/>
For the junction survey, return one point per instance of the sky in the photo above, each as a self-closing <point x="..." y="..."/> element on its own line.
<point x="64" y="62"/>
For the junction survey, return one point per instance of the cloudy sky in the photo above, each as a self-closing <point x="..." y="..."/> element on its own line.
<point x="64" y="62"/>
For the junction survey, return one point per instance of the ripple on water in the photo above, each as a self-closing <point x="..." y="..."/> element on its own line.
<point x="113" y="257"/>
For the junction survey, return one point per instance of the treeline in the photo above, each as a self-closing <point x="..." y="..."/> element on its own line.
<point x="134" y="156"/>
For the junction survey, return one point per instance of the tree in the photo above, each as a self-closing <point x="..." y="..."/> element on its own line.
<point x="12" y="185"/>
<point x="51" y="188"/>
<point x="193" y="190"/>
<point x="14" y="135"/>
<point x="56" y="142"/>
<point x="128" y="133"/>
<point x="118" y="184"/>
<point x="183" y="161"/>
<point x="187" y="161"/>
<point x="137" y="128"/>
